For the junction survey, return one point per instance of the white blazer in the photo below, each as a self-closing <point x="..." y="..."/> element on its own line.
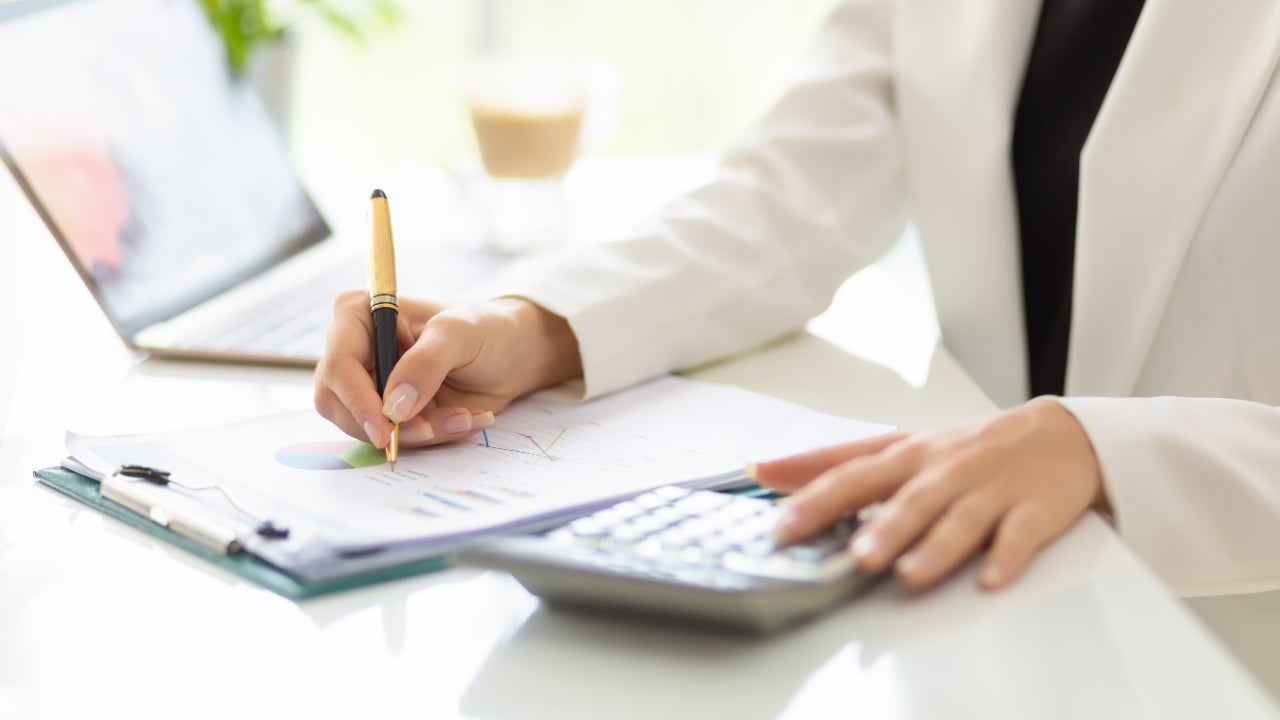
<point x="905" y="110"/>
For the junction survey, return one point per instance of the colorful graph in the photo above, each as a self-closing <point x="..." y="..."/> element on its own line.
<point x="531" y="437"/>
<point x="521" y="443"/>
<point x="440" y="501"/>
<point x="331" y="455"/>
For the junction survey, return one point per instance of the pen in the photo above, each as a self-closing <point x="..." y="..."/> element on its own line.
<point x="383" y="302"/>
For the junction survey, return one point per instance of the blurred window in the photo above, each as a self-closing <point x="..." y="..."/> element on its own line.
<point x="692" y="73"/>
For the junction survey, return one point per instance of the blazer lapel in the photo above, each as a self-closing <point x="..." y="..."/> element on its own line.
<point x="1180" y="103"/>
<point x="960" y="68"/>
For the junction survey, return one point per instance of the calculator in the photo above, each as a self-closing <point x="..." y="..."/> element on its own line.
<point x="695" y="555"/>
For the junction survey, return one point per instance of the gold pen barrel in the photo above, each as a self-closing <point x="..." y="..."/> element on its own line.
<point x="382" y="254"/>
<point x="383" y="303"/>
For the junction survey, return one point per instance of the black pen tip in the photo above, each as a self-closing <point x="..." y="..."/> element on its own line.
<point x="378" y="194"/>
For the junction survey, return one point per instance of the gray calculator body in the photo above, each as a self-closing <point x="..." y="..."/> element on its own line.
<point x="694" y="555"/>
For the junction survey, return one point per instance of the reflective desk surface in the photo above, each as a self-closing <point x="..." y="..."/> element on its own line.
<point x="96" y="617"/>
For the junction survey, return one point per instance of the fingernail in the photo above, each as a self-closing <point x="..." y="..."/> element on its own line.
<point x="910" y="565"/>
<point x="416" y="434"/>
<point x="482" y="420"/>
<point x="371" y="432"/>
<point x="456" y="424"/>
<point x="993" y="574"/>
<point x="862" y="547"/>
<point x="788" y="526"/>
<point x="752" y="472"/>
<point x="401" y="400"/>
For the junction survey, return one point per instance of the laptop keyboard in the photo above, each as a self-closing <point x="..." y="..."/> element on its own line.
<point x="294" y="323"/>
<point x="294" y="326"/>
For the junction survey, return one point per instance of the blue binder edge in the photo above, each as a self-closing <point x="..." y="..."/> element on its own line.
<point x="86" y="490"/>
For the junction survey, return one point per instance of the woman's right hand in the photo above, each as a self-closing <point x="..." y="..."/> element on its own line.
<point x="459" y="365"/>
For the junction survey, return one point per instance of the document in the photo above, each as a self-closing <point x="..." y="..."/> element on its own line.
<point x="543" y="458"/>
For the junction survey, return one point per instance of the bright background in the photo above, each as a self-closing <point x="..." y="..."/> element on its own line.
<point x="692" y="72"/>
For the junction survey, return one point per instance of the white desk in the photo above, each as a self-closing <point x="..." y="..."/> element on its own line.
<point x="96" y="618"/>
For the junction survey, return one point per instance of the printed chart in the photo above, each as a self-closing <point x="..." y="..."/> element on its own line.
<point x="485" y="493"/>
<point x="515" y="442"/>
<point x="543" y="456"/>
<point x="528" y="452"/>
<point x="330" y="455"/>
<point x="528" y="436"/>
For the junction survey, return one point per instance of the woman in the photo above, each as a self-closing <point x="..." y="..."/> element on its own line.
<point x="1092" y="181"/>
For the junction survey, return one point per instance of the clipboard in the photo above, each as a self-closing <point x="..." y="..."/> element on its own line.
<point x="287" y="504"/>
<point x="88" y="491"/>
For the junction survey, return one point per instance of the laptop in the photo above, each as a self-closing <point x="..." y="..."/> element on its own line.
<point x="169" y="188"/>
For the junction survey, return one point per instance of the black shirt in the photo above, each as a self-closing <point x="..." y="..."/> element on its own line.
<point x="1078" y="45"/>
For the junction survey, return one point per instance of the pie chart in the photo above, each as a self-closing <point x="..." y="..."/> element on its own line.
<point x="330" y="455"/>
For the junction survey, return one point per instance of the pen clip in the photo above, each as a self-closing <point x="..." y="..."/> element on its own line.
<point x="267" y="528"/>
<point x="150" y="474"/>
<point x="211" y="533"/>
<point x="121" y="487"/>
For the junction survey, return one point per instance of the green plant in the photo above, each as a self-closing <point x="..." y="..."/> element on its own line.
<point x="245" y="25"/>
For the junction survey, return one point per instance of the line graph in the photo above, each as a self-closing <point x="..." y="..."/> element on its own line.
<point x="533" y="449"/>
<point x="537" y="454"/>
<point x="526" y="439"/>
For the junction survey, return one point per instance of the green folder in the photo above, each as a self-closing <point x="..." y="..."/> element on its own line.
<point x="249" y="567"/>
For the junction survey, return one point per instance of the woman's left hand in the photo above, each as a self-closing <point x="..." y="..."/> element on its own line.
<point x="1013" y="482"/>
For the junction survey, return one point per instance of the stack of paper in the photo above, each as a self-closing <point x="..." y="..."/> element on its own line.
<point x="544" y="458"/>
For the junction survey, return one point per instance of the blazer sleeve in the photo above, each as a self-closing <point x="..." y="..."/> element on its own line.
<point x="809" y="196"/>
<point x="1194" y="485"/>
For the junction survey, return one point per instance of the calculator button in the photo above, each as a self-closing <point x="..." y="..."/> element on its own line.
<point x="606" y="517"/>
<point x="741" y="534"/>
<point x="670" y="492"/>
<point x="737" y="562"/>
<point x="759" y="548"/>
<point x="626" y="533"/>
<point x="629" y="509"/>
<point x="676" y="537"/>
<point x="587" y="527"/>
<point x="667" y="515"/>
<point x="716" y="545"/>
<point x="701" y="503"/>
<point x="698" y="528"/>
<point x="761" y="525"/>
<point x="693" y="555"/>
<point x="648" y="524"/>
<point x="739" y="510"/>
<point x="651" y="500"/>
<point x="806" y="553"/>
<point x="649" y="548"/>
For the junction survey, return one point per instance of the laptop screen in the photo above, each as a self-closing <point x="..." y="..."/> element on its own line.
<point x="163" y="178"/>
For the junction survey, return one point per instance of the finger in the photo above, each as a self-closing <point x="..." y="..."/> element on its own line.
<point x="912" y="510"/>
<point x="404" y="334"/>
<point x="344" y="390"/>
<point x="965" y="526"/>
<point x="846" y="488"/>
<point x="416" y="432"/>
<point x="446" y="343"/>
<point x="330" y="408"/>
<point x="790" y="473"/>
<point x="350" y="400"/>
<point x="351" y="333"/>
<point x="442" y="425"/>
<point x="1025" y="529"/>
